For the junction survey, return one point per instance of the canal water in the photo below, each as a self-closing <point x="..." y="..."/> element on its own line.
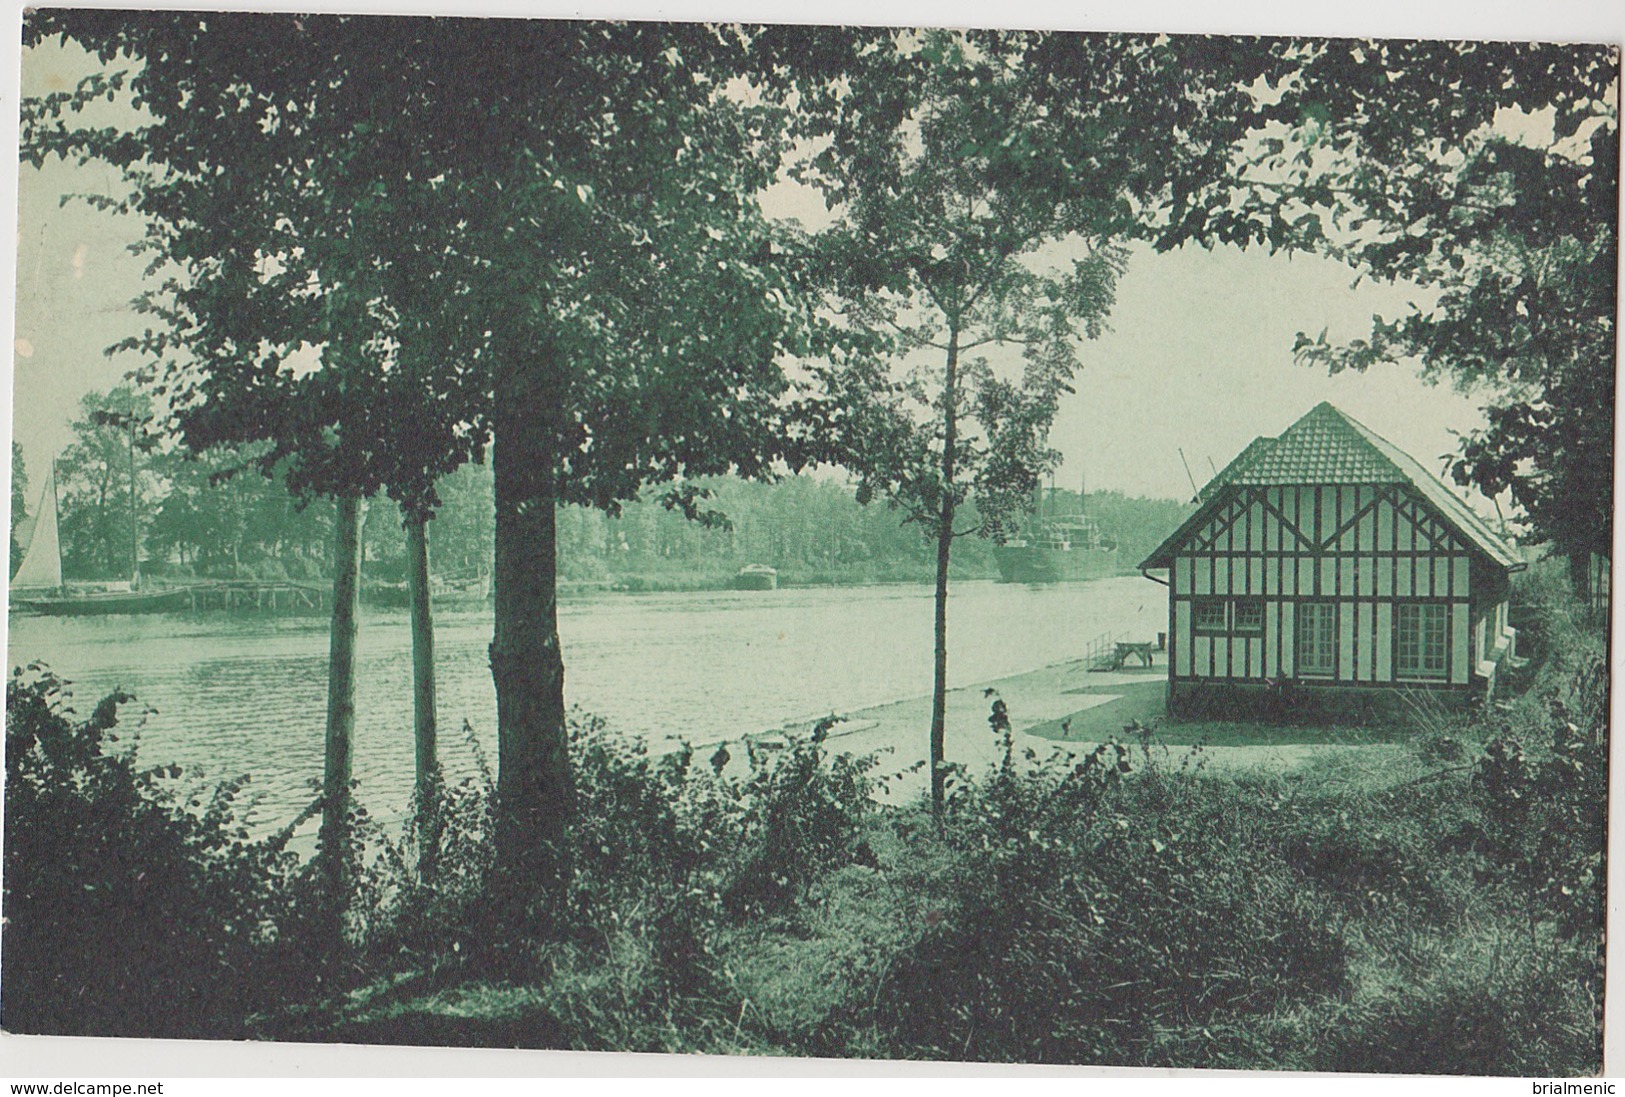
<point x="233" y="695"/>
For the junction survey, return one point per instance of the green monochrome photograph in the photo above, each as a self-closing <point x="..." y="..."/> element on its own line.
<point x="851" y="542"/>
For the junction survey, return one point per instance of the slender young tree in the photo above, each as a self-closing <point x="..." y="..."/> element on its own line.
<point x="339" y="742"/>
<point x="944" y="246"/>
<point x="425" y="751"/>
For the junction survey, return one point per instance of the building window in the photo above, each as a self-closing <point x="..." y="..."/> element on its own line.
<point x="1220" y="616"/>
<point x="1208" y="615"/>
<point x="1317" y="638"/>
<point x="1421" y="638"/>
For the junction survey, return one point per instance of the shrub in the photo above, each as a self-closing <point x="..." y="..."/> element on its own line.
<point x="1542" y="825"/>
<point x="131" y="908"/>
<point x="1091" y="904"/>
<point x="803" y="817"/>
<point x="1503" y="972"/>
<point x="667" y="853"/>
<point x="425" y="897"/>
<point x="1556" y="630"/>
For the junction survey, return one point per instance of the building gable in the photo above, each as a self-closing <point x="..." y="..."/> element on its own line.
<point x="1327" y="448"/>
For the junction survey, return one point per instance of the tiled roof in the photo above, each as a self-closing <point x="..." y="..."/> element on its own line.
<point x="1326" y="446"/>
<point x="1254" y="448"/>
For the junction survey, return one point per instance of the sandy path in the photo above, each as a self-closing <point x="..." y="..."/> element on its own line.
<point x="1094" y="707"/>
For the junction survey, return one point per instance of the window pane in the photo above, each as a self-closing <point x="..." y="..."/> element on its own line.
<point x="1435" y="630"/>
<point x="1250" y="615"/>
<point x="1316" y="637"/>
<point x="1421" y="636"/>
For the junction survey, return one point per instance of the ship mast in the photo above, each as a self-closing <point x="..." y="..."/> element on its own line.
<point x="1196" y="492"/>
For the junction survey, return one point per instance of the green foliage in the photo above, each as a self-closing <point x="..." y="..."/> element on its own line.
<point x="946" y="211"/>
<point x="112" y="444"/>
<point x="937" y="251"/>
<point x="135" y="905"/>
<point x="669" y="854"/>
<point x="19" y="501"/>
<point x="1372" y="853"/>
<point x="217" y="517"/>
<point x="675" y="830"/>
<point x="812" y="530"/>
<point x="1125" y="906"/>
<point x="1476" y="1007"/>
<point x="410" y="238"/>
<point x="359" y="311"/>
<point x="214" y="516"/>
<point x="425" y="895"/>
<point x="1089" y="905"/>
<point x="1490" y="172"/>
<point x="1557" y="633"/>
<point x="1543" y="809"/>
<point x="805" y="815"/>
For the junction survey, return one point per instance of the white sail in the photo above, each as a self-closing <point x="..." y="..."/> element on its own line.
<point x="42" y="562"/>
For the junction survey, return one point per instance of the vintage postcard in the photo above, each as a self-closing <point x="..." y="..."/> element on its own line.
<point x="844" y="542"/>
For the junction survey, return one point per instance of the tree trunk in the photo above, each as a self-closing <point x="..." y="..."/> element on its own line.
<point x="335" y="836"/>
<point x="104" y="528"/>
<point x="1580" y="573"/>
<point x="423" y="706"/>
<point x="945" y="541"/>
<point x="534" y="788"/>
<point x="135" y="528"/>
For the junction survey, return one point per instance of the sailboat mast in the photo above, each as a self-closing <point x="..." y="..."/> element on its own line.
<point x="56" y="517"/>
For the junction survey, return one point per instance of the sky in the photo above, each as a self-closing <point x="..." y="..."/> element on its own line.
<point x="1198" y="355"/>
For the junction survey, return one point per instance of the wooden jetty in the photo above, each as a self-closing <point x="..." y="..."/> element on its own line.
<point x="274" y="596"/>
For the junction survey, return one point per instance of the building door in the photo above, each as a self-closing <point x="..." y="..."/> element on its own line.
<point x="1317" y="639"/>
<point x="1421" y="640"/>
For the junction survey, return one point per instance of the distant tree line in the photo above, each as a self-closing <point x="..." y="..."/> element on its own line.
<point x="19" y="501"/>
<point x="209" y="515"/>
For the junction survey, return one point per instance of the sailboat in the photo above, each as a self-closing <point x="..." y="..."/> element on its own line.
<point x="41" y="569"/>
<point x="38" y="588"/>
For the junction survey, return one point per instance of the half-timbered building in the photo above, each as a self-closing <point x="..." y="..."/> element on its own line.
<point x="1329" y="559"/>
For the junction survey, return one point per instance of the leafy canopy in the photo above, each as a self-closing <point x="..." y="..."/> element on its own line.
<point x="989" y="212"/>
<point x="1488" y="172"/>
<point x="365" y="221"/>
